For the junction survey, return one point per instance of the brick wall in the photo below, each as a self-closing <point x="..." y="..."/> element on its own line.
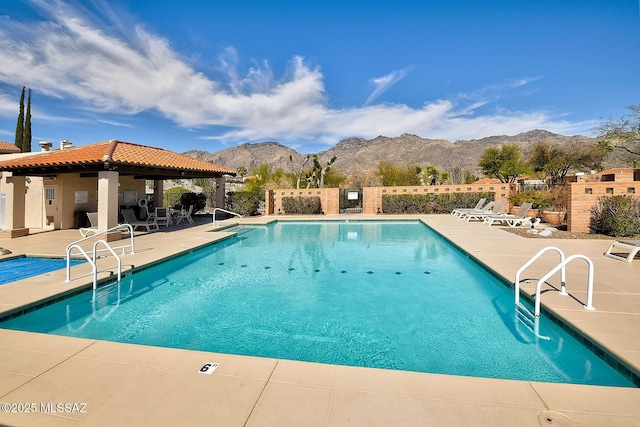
<point x="584" y="195"/>
<point x="372" y="196"/>
<point x="329" y="198"/>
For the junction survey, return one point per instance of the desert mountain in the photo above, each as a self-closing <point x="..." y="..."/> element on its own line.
<point x="366" y="154"/>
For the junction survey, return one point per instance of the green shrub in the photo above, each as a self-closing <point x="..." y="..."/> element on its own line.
<point x="554" y="198"/>
<point x="172" y="195"/>
<point x="198" y="201"/>
<point x="617" y="216"/>
<point x="430" y="203"/>
<point x="245" y="203"/>
<point x="302" y="205"/>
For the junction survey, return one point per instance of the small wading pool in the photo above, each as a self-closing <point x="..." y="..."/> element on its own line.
<point x="383" y="294"/>
<point x="21" y="267"/>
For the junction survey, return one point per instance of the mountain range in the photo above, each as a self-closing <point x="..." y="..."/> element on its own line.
<point x="363" y="154"/>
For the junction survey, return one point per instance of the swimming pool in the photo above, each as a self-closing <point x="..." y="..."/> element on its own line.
<point x="391" y="295"/>
<point x="17" y="268"/>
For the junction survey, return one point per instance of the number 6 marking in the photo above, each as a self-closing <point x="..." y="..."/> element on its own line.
<point x="208" y="368"/>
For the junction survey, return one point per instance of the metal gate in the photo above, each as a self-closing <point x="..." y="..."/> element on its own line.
<point x="350" y="200"/>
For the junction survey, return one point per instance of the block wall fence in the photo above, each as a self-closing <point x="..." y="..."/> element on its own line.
<point x="372" y="196"/>
<point x="583" y="195"/>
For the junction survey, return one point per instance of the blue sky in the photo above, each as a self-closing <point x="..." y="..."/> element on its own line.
<point x="211" y="74"/>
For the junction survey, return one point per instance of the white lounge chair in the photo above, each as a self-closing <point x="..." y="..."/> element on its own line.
<point x="632" y="246"/>
<point x="520" y="218"/>
<point x="93" y="229"/>
<point x="488" y="208"/>
<point x="459" y="211"/>
<point x="130" y="218"/>
<point x="482" y="214"/>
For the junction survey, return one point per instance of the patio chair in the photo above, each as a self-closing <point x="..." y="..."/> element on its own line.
<point x="150" y="214"/>
<point x="482" y="214"/>
<point x="93" y="229"/>
<point x="184" y="215"/>
<point x="130" y="218"/>
<point x="633" y="246"/>
<point x="457" y="212"/>
<point x="520" y="218"/>
<point x="162" y="216"/>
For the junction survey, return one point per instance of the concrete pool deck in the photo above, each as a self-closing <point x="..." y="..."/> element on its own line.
<point x="124" y="384"/>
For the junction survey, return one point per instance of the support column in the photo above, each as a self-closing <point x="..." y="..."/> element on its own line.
<point x="15" y="188"/>
<point x="107" y="199"/>
<point x="158" y="193"/>
<point x="220" y="192"/>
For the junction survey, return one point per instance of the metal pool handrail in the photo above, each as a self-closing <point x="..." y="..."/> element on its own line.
<point x="588" y="305"/>
<point x="528" y="263"/>
<point x="563" y="287"/>
<point x="92" y="259"/>
<point x="217" y="223"/>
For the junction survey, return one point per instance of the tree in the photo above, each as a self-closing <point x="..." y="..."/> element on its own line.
<point x="264" y="177"/>
<point x="358" y="177"/>
<point x="315" y="178"/>
<point x="622" y="134"/>
<point x="433" y="175"/>
<point x="20" y="124"/>
<point x="298" y="171"/>
<point x="504" y="163"/>
<point x="172" y="195"/>
<point x="555" y="161"/>
<point x="334" y="178"/>
<point x="391" y="174"/>
<point x="26" y="139"/>
<point x="552" y="160"/>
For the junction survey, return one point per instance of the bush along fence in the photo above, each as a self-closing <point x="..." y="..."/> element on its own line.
<point x="302" y="205"/>
<point x="430" y="203"/>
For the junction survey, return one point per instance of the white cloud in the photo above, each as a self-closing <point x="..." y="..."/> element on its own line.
<point x="72" y="58"/>
<point x="385" y="82"/>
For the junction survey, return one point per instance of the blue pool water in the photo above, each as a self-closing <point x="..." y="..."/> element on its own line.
<point x="378" y="294"/>
<point x="13" y="269"/>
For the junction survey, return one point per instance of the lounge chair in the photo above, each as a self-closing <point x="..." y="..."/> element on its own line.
<point x="482" y="214"/>
<point x="457" y="212"/>
<point x="93" y="229"/>
<point x="130" y="218"/>
<point x="484" y="209"/>
<point x="633" y="246"/>
<point x="184" y="215"/>
<point x="520" y="218"/>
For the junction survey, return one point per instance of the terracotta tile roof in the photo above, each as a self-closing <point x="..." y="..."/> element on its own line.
<point x="109" y="154"/>
<point x="8" y="147"/>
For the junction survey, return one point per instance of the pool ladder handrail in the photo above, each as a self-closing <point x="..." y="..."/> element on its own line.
<point x="92" y="260"/>
<point x="217" y="223"/>
<point x="559" y="267"/>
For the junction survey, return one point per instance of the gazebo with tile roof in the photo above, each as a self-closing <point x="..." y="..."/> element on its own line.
<point x="102" y="168"/>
